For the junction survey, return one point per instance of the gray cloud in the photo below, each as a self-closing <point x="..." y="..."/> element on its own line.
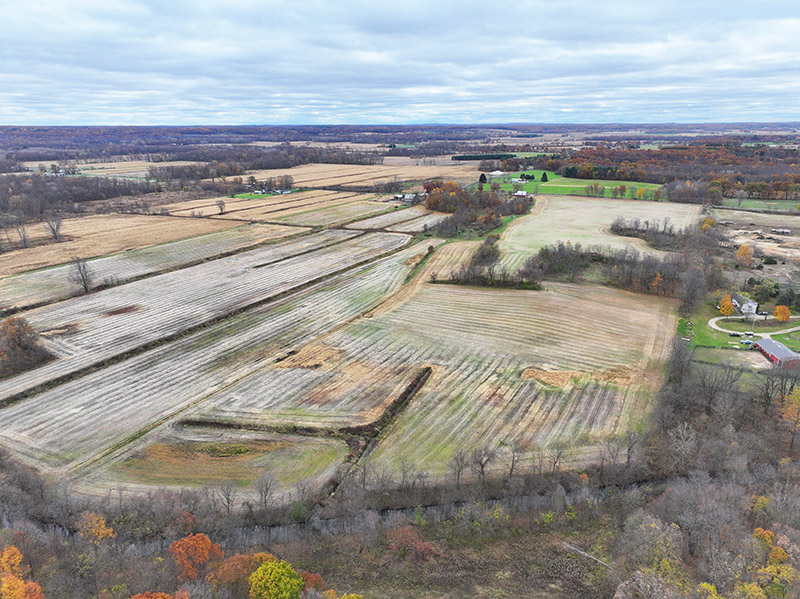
<point x="354" y="61"/>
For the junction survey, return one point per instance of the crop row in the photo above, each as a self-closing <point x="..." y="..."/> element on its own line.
<point x="390" y="218"/>
<point x="418" y="225"/>
<point x="94" y="328"/>
<point x="333" y="215"/>
<point x="69" y="424"/>
<point x="47" y="285"/>
<point x="209" y="206"/>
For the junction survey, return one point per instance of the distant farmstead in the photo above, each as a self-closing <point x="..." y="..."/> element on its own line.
<point x="778" y="353"/>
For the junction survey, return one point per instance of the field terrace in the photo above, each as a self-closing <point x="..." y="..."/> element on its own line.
<point x="104" y="416"/>
<point x="94" y="328"/>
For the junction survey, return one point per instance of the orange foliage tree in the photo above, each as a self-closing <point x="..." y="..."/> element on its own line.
<point x="93" y="527"/>
<point x="745" y="255"/>
<point x="726" y="306"/>
<point x="234" y="572"/>
<point x="191" y="552"/>
<point x="782" y="313"/>
<point x="12" y="575"/>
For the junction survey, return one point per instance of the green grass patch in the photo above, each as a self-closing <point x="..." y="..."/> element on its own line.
<point x="790" y="340"/>
<point x="558" y="185"/>
<point x="760" y="326"/>
<point x="702" y="334"/>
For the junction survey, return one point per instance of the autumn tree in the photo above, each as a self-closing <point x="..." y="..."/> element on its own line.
<point x="192" y="552"/>
<point x="93" y="527"/>
<point x="12" y="576"/>
<point x="275" y="580"/>
<point x="745" y="255"/>
<point x="790" y="411"/>
<point x="233" y="573"/>
<point x="221" y="206"/>
<point x="782" y="313"/>
<point x="726" y="306"/>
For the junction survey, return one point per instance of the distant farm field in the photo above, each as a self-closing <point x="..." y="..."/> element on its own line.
<point x="99" y="235"/>
<point x="354" y="175"/>
<point x="49" y="284"/>
<point x="127" y="169"/>
<point x="585" y="221"/>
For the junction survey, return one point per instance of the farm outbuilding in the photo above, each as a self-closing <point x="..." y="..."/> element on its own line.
<point x="778" y="353"/>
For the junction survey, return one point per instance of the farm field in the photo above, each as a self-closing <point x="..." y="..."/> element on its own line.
<point x="94" y="328"/>
<point x="272" y="208"/>
<point x="400" y="215"/>
<point x="419" y="224"/>
<point x="127" y="169"/>
<point x="355" y="175"/>
<point x="49" y="284"/>
<point x="208" y="206"/>
<point x="136" y="395"/>
<point x="527" y="375"/>
<point x="585" y="221"/>
<point x="99" y="235"/>
<point x="334" y="215"/>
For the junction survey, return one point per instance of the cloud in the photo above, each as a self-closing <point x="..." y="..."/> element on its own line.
<point x="181" y="62"/>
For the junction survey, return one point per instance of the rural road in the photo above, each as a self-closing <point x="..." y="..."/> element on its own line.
<point x="713" y="324"/>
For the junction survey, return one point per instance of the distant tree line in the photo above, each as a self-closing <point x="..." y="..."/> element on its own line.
<point x="497" y="156"/>
<point x="31" y="196"/>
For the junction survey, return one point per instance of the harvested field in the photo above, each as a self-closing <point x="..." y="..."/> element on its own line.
<point x="477" y="394"/>
<point x="50" y="284"/>
<point x="391" y="218"/>
<point x="355" y="175"/>
<point x="99" y="411"/>
<point x="272" y="208"/>
<point x="82" y="331"/>
<point x="418" y="224"/>
<point x="104" y="234"/>
<point x="335" y="215"/>
<point x="585" y="221"/>
<point x="208" y="206"/>
<point x="128" y="169"/>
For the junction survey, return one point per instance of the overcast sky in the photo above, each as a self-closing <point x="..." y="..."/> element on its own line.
<point x="353" y="61"/>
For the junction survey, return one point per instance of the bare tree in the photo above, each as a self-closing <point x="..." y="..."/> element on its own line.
<point x="81" y="274"/>
<point x="221" y="206"/>
<point x="512" y="454"/>
<point x="683" y="441"/>
<point x="227" y="495"/>
<point x="555" y="453"/>
<point x="481" y="458"/>
<point x="266" y="486"/>
<point x="22" y="232"/>
<point x="458" y="463"/>
<point x="54" y="222"/>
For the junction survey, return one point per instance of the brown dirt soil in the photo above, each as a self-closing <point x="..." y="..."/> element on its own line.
<point x="99" y="235"/>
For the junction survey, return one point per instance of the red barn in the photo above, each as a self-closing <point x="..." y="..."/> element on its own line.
<point x="778" y="353"/>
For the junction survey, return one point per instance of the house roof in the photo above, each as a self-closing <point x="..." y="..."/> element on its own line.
<point x="496" y="173"/>
<point x="777" y="349"/>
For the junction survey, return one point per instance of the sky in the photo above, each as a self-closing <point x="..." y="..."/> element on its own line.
<point x="181" y="62"/>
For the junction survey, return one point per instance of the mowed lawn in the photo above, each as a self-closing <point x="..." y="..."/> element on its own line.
<point x="585" y="221"/>
<point x="556" y="184"/>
